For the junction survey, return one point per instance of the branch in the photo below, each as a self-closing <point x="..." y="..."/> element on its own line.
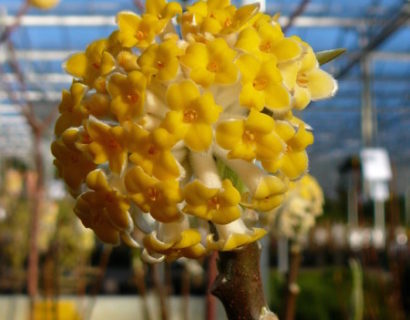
<point x="292" y="289"/>
<point x="239" y="286"/>
<point x="9" y="29"/>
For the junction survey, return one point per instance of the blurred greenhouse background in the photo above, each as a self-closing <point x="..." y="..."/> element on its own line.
<point x="356" y="261"/>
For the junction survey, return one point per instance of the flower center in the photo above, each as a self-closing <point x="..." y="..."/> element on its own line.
<point x="214" y="203"/>
<point x="96" y="65"/>
<point x="153" y="194"/>
<point x="265" y="47"/>
<point x="86" y="138"/>
<point x="213" y="66"/>
<point x="152" y="150"/>
<point x="160" y="64"/>
<point x="227" y="23"/>
<point x="302" y="80"/>
<point x="113" y="144"/>
<point x="190" y="115"/>
<point x="260" y="83"/>
<point x="140" y="35"/>
<point x="248" y="136"/>
<point x="133" y="97"/>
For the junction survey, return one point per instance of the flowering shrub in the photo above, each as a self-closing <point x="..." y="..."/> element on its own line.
<point x="154" y="107"/>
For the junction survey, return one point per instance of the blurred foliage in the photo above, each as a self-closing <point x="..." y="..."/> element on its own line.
<point x="326" y="294"/>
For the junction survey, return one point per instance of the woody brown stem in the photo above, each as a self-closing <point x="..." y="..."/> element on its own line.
<point x="210" y="300"/>
<point x="238" y="284"/>
<point x="292" y="286"/>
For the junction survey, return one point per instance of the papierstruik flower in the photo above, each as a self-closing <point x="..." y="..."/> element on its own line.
<point x="156" y="108"/>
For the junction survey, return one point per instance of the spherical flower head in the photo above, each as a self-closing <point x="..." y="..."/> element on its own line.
<point x="302" y="204"/>
<point x="182" y="130"/>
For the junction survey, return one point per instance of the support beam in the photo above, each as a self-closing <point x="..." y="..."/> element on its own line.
<point x="390" y="28"/>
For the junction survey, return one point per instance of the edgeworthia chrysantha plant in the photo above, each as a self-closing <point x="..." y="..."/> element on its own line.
<point x="155" y="105"/>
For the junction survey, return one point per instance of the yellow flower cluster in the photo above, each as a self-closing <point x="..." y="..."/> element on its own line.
<point x="297" y="214"/>
<point x="154" y="106"/>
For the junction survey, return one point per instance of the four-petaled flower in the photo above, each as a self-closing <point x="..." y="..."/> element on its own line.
<point x="267" y="40"/>
<point x="128" y="95"/>
<point x="152" y="151"/>
<point x="104" y="209"/>
<point x="251" y="138"/>
<point x="158" y="197"/>
<point x="220" y="206"/>
<point x="105" y="143"/>
<point x="72" y="111"/>
<point x="211" y="63"/>
<point x="161" y="60"/>
<point x="137" y="31"/>
<point x="306" y="80"/>
<point x="73" y="166"/>
<point x="92" y="65"/>
<point x="192" y="115"/>
<point x="262" y="84"/>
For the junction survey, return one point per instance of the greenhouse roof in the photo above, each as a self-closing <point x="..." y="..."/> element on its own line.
<point x="376" y="34"/>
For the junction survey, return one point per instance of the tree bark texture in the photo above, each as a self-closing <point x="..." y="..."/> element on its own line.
<point x="239" y="286"/>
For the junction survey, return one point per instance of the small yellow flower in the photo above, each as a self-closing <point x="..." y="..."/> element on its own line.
<point x="268" y="40"/>
<point x="161" y="60"/>
<point x="211" y="63"/>
<point x="137" y="31"/>
<point x="127" y="60"/>
<point x="71" y="109"/>
<point x="92" y="65"/>
<point x="220" y="206"/>
<point x="98" y="105"/>
<point x="192" y="115"/>
<point x="294" y="161"/>
<point x="163" y="10"/>
<point x="128" y="95"/>
<point x="105" y="143"/>
<point x="306" y="80"/>
<point x="233" y="236"/>
<point x="269" y="194"/>
<point x="175" y="240"/>
<point x="262" y="85"/>
<point x="104" y="209"/>
<point x="254" y="137"/>
<point x="152" y="151"/>
<point x="159" y="198"/>
<point x="73" y="166"/>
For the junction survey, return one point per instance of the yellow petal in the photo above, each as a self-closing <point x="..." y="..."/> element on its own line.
<point x="294" y="164"/>
<point x="287" y="49"/>
<point x="97" y="180"/>
<point x="188" y="238"/>
<point x="248" y="40"/>
<point x="321" y="84"/>
<point x="196" y="56"/>
<point x="107" y="63"/>
<point x="76" y="65"/>
<point x="181" y="95"/>
<point x="249" y="67"/>
<point x="229" y="133"/>
<point x="277" y="98"/>
<point x="252" y="98"/>
<point x="301" y="98"/>
<point x="198" y="137"/>
<point x="202" y="76"/>
<point x="259" y="122"/>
